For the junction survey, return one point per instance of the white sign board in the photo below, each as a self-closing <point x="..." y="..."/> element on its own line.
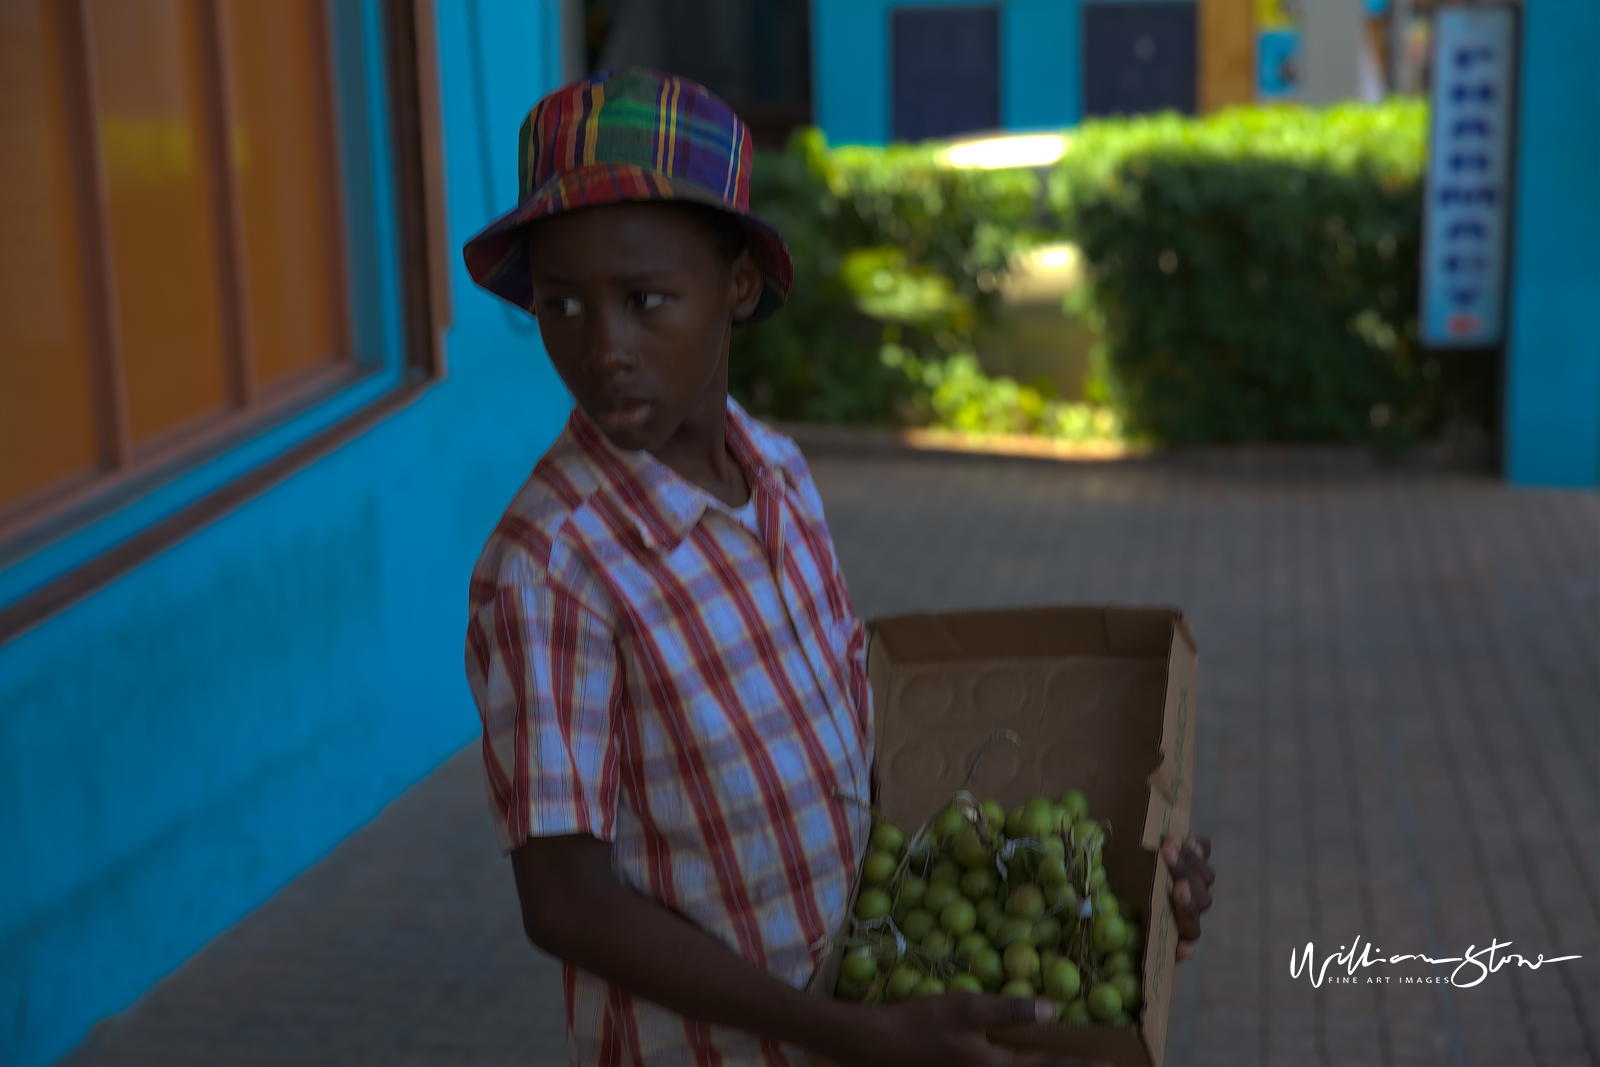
<point x="1466" y="213"/>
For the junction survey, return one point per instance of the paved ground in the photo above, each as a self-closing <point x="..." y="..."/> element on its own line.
<point x="1399" y="738"/>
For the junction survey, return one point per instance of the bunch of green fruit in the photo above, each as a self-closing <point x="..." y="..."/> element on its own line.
<point x="979" y="899"/>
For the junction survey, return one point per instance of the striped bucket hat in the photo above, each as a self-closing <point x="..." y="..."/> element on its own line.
<point x="638" y="135"/>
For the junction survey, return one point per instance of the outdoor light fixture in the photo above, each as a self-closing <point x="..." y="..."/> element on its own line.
<point x="994" y="153"/>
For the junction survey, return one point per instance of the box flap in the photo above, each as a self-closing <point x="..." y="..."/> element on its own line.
<point x="1171" y="793"/>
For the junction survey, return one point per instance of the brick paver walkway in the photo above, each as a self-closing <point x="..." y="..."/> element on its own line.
<point x="1399" y="738"/>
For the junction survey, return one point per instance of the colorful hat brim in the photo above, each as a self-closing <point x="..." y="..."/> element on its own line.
<point x="497" y="257"/>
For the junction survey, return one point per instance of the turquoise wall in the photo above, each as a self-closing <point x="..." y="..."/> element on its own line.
<point x="179" y="745"/>
<point x="1552" y="402"/>
<point x="1040" y="75"/>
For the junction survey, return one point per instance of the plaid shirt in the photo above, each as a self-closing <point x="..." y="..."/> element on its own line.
<point x="654" y="672"/>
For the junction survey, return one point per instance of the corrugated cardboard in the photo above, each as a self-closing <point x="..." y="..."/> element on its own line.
<point x="1102" y="699"/>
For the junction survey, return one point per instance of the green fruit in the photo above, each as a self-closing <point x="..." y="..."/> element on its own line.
<point x="1026" y="900"/>
<point x="1117" y="963"/>
<point x="1017" y="987"/>
<point x="872" y="904"/>
<point x="1086" y="833"/>
<point x="965" y="982"/>
<point x="971" y="944"/>
<point x="959" y="917"/>
<point x="1054" y="846"/>
<point x="978" y="883"/>
<point x="1062" y="895"/>
<point x="1110" y="933"/>
<point x="878" y="868"/>
<point x="1014" y="823"/>
<point x="939" y="896"/>
<point x="904" y="979"/>
<point x="1106" y="901"/>
<point x="928" y="987"/>
<point x="1046" y="932"/>
<point x="1059" y="819"/>
<point x="1052" y="870"/>
<point x="936" y="944"/>
<point x="950" y="823"/>
<point x="1037" y="817"/>
<point x="994" y="816"/>
<point x="888" y="837"/>
<point x="1135" y="942"/>
<point x="1076" y="803"/>
<point x="917" y="924"/>
<point x="1062" y="980"/>
<point x="969" y="849"/>
<point x="945" y="872"/>
<point x="988" y="908"/>
<point x="987" y="965"/>
<point x="1121" y="1018"/>
<point x="1104" y="1001"/>
<point x="1127" y="987"/>
<point x="1076" y="1014"/>
<point x="995" y="925"/>
<point x="1047" y="959"/>
<point x="911" y="890"/>
<point x="1097" y="877"/>
<point x="1014" y="930"/>
<point x="1021" y="961"/>
<point x="859" y="966"/>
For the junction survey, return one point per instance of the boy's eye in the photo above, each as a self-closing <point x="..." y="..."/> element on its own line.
<point x="649" y="301"/>
<point x="569" y="307"/>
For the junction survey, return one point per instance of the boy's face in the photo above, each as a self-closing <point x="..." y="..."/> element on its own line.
<point x="636" y="303"/>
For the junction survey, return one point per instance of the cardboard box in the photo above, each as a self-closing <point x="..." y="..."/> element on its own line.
<point x="1102" y="699"/>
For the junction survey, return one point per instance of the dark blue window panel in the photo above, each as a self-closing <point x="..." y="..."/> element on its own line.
<point x="1138" y="58"/>
<point x="946" y="70"/>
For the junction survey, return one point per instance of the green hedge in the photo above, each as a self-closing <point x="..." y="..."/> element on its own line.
<point x="1253" y="278"/>
<point x="894" y="254"/>
<point x="1255" y="275"/>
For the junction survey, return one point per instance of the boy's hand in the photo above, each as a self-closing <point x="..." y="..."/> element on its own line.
<point x="1188" y="859"/>
<point x="948" y="1031"/>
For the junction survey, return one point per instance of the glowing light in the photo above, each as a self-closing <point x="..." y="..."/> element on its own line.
<point x="995" y="153"/>
<point x="1059" y="256"/>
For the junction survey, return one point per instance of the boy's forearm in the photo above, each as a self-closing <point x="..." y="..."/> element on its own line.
<point x="574" y="908"/>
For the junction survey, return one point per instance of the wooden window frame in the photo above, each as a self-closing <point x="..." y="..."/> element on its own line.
<point x="128" y="472"/>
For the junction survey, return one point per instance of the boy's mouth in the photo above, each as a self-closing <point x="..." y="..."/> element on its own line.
<point x="622" y="415"/>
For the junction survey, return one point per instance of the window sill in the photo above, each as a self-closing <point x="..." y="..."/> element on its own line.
<point x="106" y="531"/>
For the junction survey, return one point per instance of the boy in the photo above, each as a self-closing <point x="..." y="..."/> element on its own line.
<point x="677" y="726"/>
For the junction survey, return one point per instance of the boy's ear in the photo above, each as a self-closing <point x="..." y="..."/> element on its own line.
<point x="746" y="282"/>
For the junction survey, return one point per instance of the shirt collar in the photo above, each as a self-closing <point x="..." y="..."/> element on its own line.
<point x="658" y="502"/>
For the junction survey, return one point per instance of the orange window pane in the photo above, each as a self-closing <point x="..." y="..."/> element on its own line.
<point x="149" y="94"/>
<point x="274" y="54"/>
<point x="47" y="428"/>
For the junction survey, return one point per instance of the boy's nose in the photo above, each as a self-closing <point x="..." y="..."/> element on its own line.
<point x="612" y="347"/>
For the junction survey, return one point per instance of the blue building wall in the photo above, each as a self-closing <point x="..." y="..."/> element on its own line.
<point x="179" y="745"/>
<point x="1552" y="401"/>
<point x="1041" y="76"/>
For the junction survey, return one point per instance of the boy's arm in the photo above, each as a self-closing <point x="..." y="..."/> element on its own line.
<point x="573" y="907"/>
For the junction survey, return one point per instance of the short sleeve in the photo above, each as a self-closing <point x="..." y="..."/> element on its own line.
<point x="544" y="671"/>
